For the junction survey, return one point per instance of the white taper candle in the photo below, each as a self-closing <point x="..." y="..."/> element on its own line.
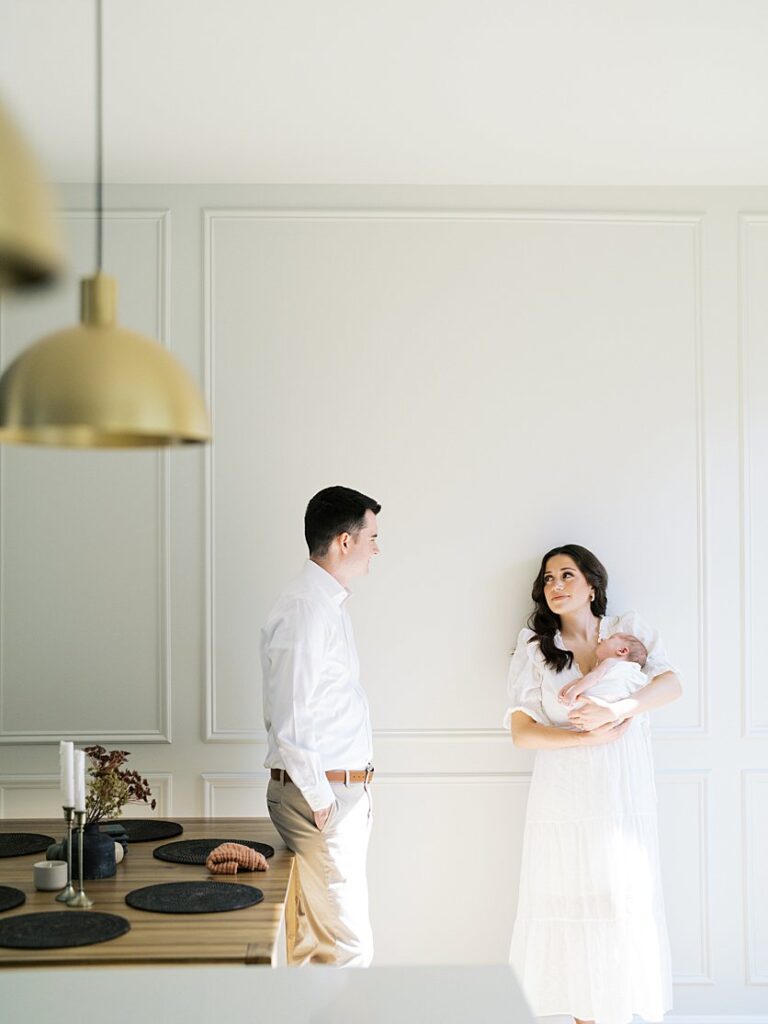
<point x="67" y="772"/>
<point x="79" y="780"/>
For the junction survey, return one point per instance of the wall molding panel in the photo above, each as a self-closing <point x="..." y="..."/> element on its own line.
<point x="452" y="778"/>
<point x="255" y="783"/>
<point x="755" y="840"/>
<point x="699" y="782"/>
<point x="750" y="227"/>
<point x="160" y="222"/>
<point x="218" y="783"/>
<point x="48" y="796"/>
<point x="214" y="729"/>
<point x="45" y="786"/>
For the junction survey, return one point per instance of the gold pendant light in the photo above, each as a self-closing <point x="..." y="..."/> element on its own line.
<point x="30" y="249"/>
<point x="98" y="385"/>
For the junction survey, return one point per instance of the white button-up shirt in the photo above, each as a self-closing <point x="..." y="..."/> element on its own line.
<point x="315" y="710"/>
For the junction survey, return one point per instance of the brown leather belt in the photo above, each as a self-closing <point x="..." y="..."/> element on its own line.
<point x="338" y="775"/>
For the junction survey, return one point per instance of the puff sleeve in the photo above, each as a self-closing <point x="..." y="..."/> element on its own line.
<point x="658" y="659"/>
<point x="524" y="682"/>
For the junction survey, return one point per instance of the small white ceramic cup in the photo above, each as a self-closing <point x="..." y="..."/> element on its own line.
<point x="50" y="875"/>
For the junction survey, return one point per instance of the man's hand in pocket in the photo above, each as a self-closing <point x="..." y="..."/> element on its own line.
<point x="322" y="816"/>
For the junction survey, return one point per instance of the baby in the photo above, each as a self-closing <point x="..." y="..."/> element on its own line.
<point x="618" y="674"/>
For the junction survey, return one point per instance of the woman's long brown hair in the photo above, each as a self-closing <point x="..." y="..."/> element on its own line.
<point x="544" y="622"/>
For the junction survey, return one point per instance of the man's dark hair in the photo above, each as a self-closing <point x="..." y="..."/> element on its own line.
<point x="332" y="511"/>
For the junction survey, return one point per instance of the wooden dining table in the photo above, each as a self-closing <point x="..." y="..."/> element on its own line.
<point x="254" y="935"/>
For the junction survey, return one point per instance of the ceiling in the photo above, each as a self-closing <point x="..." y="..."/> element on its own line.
<point x="482" y="92"/>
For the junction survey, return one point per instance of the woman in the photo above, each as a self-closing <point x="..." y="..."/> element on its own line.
<point x="590" y="937"/>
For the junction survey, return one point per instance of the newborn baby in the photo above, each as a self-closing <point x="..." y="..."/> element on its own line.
<point x="618" y="674"/>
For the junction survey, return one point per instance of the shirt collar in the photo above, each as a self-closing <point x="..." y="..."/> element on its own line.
<point x="325" y="582"/>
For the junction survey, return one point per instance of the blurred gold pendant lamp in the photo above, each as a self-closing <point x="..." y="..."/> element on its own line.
<point x="98" y="385"/>
<point x="30" y="249"/>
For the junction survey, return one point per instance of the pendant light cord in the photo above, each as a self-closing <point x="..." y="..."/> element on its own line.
<point x="99" y="141"/>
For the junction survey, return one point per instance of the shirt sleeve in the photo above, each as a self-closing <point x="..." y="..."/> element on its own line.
<point x="524" y="682"/>
<point x="658" y="659"/>
<point x="293" y="654"/>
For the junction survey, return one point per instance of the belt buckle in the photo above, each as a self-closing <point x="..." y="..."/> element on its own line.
<point x="368" y="773"/>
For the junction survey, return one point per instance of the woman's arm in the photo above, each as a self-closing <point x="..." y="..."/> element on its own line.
<point x="531" y="736"/>
<point x="661" y="690"/>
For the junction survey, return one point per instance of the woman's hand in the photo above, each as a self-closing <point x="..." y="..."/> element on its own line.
<point x="604" y="733"/>
<point x="594" y="713"/>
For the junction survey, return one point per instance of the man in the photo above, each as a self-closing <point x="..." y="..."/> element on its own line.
<point x="319" y="745"/>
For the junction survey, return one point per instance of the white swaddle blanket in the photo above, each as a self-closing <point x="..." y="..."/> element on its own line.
<point x="621" y="680"/>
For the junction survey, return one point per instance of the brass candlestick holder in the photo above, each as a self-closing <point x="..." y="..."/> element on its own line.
<point x="68" y="893"/>
<point x="80" y="899"/>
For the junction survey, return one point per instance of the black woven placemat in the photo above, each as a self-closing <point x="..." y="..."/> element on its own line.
<point x="17" y="844"/>
<point x="194" y="897"/>
<point x="195" y="851"/>
<point x="145" y="830"/>
<point x="10" y="898"/>
<point x="58" y="929"/>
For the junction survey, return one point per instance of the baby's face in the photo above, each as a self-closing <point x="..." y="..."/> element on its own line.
<point x="613" y="647"/>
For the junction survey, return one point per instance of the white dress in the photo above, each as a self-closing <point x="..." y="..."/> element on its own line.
<point x="590" y="937"/>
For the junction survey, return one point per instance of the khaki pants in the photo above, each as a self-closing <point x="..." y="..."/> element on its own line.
<point x="332" y="892"/>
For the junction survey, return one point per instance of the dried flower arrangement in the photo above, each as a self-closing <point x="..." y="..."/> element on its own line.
<point x="111" y="786"/>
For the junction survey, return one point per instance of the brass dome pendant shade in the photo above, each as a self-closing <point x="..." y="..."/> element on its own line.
<point x="30" y="251"/>
<point x="100" y="386"/>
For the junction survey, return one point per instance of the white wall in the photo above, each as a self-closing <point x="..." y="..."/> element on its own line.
<point x="504" y="370"/>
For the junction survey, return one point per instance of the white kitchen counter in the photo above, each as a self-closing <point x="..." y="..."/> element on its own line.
<point x="230" y="995"/>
